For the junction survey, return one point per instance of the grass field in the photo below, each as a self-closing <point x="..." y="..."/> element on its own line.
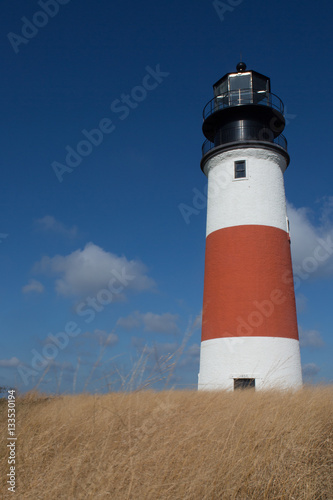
<point x="173" y="445"/>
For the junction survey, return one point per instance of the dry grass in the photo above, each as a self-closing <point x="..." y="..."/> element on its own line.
<point x="174" y="445"/>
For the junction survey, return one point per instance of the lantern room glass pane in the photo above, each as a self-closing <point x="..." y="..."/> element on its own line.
<point x="239" y="82"/>
<point x="240" y="89"/>
<point x="222" y="88"/>
<point x="260" y="82"/>
<point x="260" y="87"/>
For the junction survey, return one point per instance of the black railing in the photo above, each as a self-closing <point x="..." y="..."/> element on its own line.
<point x="228" y="136"/>
<point x="240" y="98"/>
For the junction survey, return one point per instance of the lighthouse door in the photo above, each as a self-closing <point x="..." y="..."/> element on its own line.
<point x="244" y="383"/>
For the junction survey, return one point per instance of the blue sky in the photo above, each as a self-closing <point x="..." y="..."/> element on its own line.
<point x="73" y="226"/>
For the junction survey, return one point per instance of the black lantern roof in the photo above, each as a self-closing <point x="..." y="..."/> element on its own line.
<point x="242" y="80"/>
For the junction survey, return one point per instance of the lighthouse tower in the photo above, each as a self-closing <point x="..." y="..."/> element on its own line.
<point x="249" y="324"/>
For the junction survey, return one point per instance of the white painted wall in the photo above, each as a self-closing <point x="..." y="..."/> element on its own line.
<point x="258" y="199"/>
<point x="273" y="362"/>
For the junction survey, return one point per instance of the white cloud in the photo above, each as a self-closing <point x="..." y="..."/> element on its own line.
<point x="157" y="350"/>
<point x="310" y="338"/>
<point x="311" y="245"/>
<point x="130" y="322"/>
<point x="326" y="211"/>
<point x="155" y="323"/>
<point x="193" y="350"/>
<point x="197" y="324"/>
<point x="9" y="363"/>
<point x="160" y="323"/>
<point x="33" y="286"/>
<point x="49" y="223"/>
<point x="191" y="356"/>
<point x="93" y="269"/>
<point x="165" y="349"/>
<point x="301" y="302"/>
<point x="310" y="370"/>
<point x="64" y="366"/>
<point x="104" y="338"/>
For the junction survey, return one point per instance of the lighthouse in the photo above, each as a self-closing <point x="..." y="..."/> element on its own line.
<point x="249" y="322"/>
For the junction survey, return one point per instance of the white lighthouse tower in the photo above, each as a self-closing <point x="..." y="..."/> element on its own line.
<point x="249" y="325"/>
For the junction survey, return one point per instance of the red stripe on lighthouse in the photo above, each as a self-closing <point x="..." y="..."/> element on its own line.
<point x="248" y="288"/>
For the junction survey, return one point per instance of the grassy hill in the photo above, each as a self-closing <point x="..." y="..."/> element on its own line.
<point x="173" y="445"/>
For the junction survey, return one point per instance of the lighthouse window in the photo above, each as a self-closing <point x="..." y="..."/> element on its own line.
<point x="240" y="169"/>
